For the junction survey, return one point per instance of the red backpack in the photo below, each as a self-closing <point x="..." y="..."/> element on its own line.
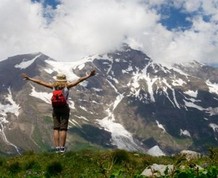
<point x="58" y="99"/>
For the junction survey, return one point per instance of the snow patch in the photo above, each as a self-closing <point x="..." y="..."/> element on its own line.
<point x="9" y="108"/>
<point x="44" y="96"/>
<point x="120" y="136"/>
<point x="137" y="76"/>
<point x="160" y="126"/>
<point x="185" y="133"/>
<point x="173" y="92"/>
<point x="81" y="117"/>
<point x="5" y="109"/>
<point x="213" y="87"/>
<point x="71" y="104"/>
<point x="155" y="151"/>
<point x="97" y="89"/>
<point x="73" y="122"/>
<point x="192" y="93"/>
<point x="177" y="70"/>
<point x="193" y="105"/>
<point x="83" y="108"/>
<point x="178" y="82"/>
<point x="212" y="111"/>
<point x="25" y="64"/>
<point x="129" y="69"/>
<point x="214" y="127"/>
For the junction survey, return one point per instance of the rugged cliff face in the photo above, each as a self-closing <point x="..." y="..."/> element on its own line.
<point x="132" y="103"/>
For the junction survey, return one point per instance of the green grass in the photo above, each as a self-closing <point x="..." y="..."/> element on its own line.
<point x="90" y="163"/>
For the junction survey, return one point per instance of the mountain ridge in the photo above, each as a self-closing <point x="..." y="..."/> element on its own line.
<point x="132" y="103"/>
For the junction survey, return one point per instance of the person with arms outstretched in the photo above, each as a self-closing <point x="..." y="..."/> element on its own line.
<point x="61" y="110"/>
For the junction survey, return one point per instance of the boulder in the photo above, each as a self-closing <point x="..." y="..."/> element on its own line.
<point x="189" y="155"/>
<point x="157" y="170"/>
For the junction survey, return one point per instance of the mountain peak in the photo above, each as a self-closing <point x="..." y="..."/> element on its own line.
<point x="131" y="101"/>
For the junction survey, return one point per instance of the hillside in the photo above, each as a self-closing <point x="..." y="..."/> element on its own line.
<point x="91" y="163"/>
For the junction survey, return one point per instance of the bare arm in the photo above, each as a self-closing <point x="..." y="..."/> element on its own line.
<point x="70" y="85"/>
<point x="40" y="82"/>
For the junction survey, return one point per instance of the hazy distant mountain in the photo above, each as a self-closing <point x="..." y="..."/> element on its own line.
<point x="132" y="103"/>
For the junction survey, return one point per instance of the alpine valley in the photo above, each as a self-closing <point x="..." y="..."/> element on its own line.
<point x="132" y="103"/>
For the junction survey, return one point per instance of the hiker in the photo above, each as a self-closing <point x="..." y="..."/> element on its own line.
<point x="60" y="114"/>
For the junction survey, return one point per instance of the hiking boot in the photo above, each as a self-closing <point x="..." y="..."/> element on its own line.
<point x="62" y="149"/>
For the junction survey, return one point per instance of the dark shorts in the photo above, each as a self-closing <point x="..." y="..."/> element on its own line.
<point x="61" y="117"/>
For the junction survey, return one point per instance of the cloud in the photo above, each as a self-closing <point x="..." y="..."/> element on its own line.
<point x="22" y="27"/>
<point x="79" y="28"/>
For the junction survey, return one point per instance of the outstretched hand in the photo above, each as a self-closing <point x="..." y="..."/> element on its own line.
<point x="25" y="76"/>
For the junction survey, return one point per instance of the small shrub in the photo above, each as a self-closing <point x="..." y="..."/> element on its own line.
<point x="212" y="172"/>
<point x="213" y="155"/>
<point x="54" y="169"/>
<point x="120" y="156"/>
<point x="31" y="165"/>
<point x="14" y="168"/>
<point x="1" y="162"/>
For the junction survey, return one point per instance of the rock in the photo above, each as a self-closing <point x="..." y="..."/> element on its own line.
<point x="189" y="155"/>
<point x="157" y="170"/>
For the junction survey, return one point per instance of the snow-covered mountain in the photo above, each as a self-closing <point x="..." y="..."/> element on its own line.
<point x="132" y="103"/>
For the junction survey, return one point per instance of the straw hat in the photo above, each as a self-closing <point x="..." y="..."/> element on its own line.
<point x="61" y="77"/>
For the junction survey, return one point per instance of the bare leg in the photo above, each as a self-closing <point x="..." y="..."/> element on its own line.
<point x="56" y="138"/>
<point x="63" y="136"/>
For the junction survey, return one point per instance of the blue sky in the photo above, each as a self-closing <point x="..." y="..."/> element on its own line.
<point x="52" y="3"/>
<point x="166" y="30"/>
<point x="175" y="18"/>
